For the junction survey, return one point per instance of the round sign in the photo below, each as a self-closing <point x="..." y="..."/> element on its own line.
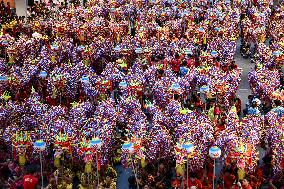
<point x="123" y="84"/>
<point x="128" y="147"/>
<point x="176" y="87"/>
<point x="214" y="53"/>
<point x="138" y="50"/>
<point x="43" y="74"/>
<point x="188" y="147"/>
<point x="3" y="78"/>
<point x="81" y="48"/>
<point x="54" y="47"/>
<point x="39" y="145"/>
<point x="215" y="152"/>
<point x="85" y="79"/>
<point x="117" y="48"/>
<point x="96" y="142"/>
<point x="204" y="88"/>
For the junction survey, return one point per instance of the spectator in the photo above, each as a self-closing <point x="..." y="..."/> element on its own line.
<point x="193" y="181"/>
<point x="253" y="110"/>
<point x="30" y="180"/>
<point x="278" y="108"/>
<point x="246" y="184"/>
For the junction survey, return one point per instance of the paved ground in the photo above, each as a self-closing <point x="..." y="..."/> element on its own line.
<point x="123" y="175"/>
<point x="247" y="66"/>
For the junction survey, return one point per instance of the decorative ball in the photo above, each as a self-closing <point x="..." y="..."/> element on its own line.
<point x="215" y="152"/>
<point x="3" y="78"/>
<point x="39" y="145"/>
<point x="188" y="146"/>
<point x="276" y="53"/>
<point x="96" y="142"/>
<point x="217" y="29"/>
<point x="117" y="49"/>
<point x="113" y="9"/>
<point x="54" y="47"/>
<point x="204" y="88"/>
<point x="138" y="50"/>
<point x="81" y="48"/>
<point x="176" y="87"/>
<point x="201" y="30"/>
<point x="5" y="42"/>
<point x="128" y="146"/>
<point x="187" y="51"/>
<point x="43" y="74"/>
<point x="123" y="84"/>
<point x="214" y="53"/>
<point x="85" y="79"/>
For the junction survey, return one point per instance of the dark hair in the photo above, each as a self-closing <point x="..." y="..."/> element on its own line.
<point x="161" y="72"/>
<point x="75" y="182"/>
<point x="31" y="169"/>
<point x="254" y="104"/>
<point x="193" y="175"/>
<point x="176" y="96"/>
<point x="277" y="102"/>
<point x="176" y="55"/>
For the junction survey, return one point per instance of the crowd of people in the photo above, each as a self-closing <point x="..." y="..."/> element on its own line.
<point x="87" y="88"/>
<point x="6" y="13"/>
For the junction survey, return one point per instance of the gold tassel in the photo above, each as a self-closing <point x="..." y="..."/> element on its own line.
<point x="22" y="160"/>
<point x="88" y="167"/>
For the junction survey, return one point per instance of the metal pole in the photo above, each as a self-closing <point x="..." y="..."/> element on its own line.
<point x="213" y="186"/>
<point x="60" y="98"/>
<point x="26" y="10"/>
<point x="134" y="170"/>
<point x="97" y="168"/>
<point x="88" y="179"/>
<point x="12" y="152"/>
<point x="62" y="170"/>
<point x="40" y="159"/>
<point x="5" y="48"/>
<point x="187" y="173"/>
<point x="223" y="184"/>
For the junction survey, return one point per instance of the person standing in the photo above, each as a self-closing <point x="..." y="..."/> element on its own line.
<point x="246" y="184"/>
<point x="253" y="110"/>
<point x="30" y="180"/>
<point x="279" y="110"/>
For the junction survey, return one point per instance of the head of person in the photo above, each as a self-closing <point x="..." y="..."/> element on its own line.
<point x="245" y="183"/>
<point x="176" y="96"/>
<point x="193" y="177"/>
<point x="160" y="72"/>
<point x="162" y="166"/>
<point x="146" y="187"/>
<point x="250" y="97"/>
<point x="254" y="104"/>
<point x="277" y="102"/>
<point x="108" y="179"/>
<point x="31" y="170"/>
<point x="176" y="55"/>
